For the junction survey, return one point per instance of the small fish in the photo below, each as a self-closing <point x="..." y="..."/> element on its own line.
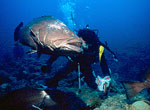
<point x="133" y="88"/>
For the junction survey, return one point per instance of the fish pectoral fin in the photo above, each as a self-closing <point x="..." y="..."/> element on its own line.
<point x="34" y="36"/>
<point x="32" y="32"/>
<point x="31" y="51"/>
<point x="37" y="41"/>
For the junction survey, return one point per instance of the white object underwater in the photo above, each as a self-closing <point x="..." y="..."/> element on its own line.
<point x="102" y="83"/>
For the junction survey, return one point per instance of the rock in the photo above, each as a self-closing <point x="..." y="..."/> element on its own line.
<point x="140" y="105"/>
<point x="4" y="85"/>
<point x="33" y="68"/>
<point x="4" y="77"/>
<point x="116" y="102"/>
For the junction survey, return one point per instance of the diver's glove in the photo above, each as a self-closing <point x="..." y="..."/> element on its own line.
<point x="103" y="83"/>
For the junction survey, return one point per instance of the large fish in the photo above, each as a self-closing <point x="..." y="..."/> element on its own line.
<point x="37" y="99"/>
<point x="50" y="36"/>
<point x="133" y="88"/>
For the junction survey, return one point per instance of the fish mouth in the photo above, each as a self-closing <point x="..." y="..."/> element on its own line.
<point x="69" y="46"/>
<point x="78" y="44"/>
<point x="74" y="46"/>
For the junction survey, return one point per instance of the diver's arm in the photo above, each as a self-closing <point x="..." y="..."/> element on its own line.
<point x="105" y="46"/>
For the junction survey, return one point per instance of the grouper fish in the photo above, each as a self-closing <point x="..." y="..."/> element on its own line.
<point x="49" y="36"/>
<point x="39" y="99"/>
<point x="133" y="88"/>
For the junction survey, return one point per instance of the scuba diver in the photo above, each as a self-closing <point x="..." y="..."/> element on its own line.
<point x="93" y="53"/>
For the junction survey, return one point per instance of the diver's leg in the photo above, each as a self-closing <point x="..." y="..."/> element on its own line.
<point x="89" y="77"/>
<point x="53" y="82"/>
<point x="104" y="66"/>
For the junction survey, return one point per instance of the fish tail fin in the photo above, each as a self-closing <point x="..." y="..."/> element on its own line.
<point x="17" y="30"/>
<point x="133" y="88"/>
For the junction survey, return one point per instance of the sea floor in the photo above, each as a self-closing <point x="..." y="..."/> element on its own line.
<point x="26" y="72"/>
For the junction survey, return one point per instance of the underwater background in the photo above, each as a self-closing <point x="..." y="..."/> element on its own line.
<point x="124" y="24"/>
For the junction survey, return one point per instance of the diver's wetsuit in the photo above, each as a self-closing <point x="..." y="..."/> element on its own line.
<point x="90" y="56"/>
<point x="93" y="43"/>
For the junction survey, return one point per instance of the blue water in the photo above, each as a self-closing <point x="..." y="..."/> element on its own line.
<point x="120" y="22"/>
<point x="124" y="24"/>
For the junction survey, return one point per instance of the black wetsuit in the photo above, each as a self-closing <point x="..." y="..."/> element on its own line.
<point x="90" y="56"/>
<point x="93" y="49"/>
